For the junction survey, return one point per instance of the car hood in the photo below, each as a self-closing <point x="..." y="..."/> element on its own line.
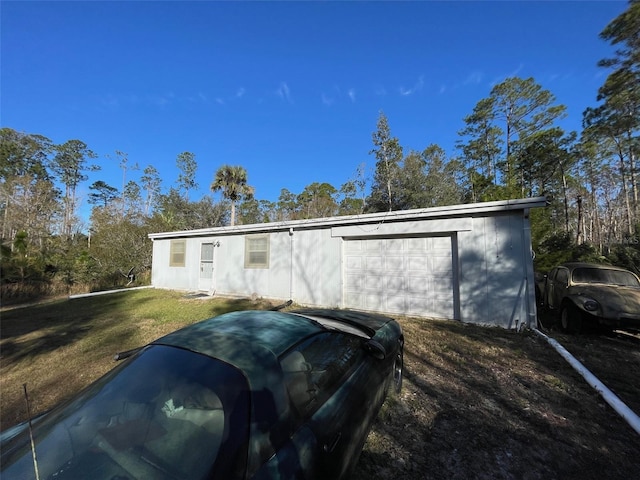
<point x="612" y="298"/>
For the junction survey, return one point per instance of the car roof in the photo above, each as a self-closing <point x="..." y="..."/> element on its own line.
<point x="270" y="331"/>
<point x="251" y="341"/>
<point x="574" y="265"/>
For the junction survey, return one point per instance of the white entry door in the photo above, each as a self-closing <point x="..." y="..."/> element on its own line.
<point x="206" y="267"/>
<point x="409" y="276"/>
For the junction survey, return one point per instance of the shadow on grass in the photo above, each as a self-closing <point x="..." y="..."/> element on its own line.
<point x="486" y="403"/>
<point x="60" y="314"/>
<point x="45" y="328"/>
<point x="39" y="330"/>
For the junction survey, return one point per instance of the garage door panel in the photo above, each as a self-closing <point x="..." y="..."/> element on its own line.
<point x="374" y="302"/>
<point x="355" y="246"/>
<point x="416" y="244"/>
<point x="440" y="264"/>
<point x="418" y="285"/>
<point x="419" y="305"/>
<point x="394" y="263"/>
<point x="441" y="290"/>
<point x="394" y="245"/>
<point x="441" y="243"/>
<point x="354" y="283"/>
<point x="354" y="263"/>
<point x="395" y="286"/>
<point x="395" y="304"/>
<point x="442" y="308"/>
<point x="373" y="282"/>
<point x="419" y="264"/>
<point x="372" y="245"/>
<point x="356" y="300"/>
<point x="373" y="264"/>
<point x="400" y="275"/>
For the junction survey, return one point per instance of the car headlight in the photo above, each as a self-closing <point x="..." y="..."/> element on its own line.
<point x="590" y="305"/>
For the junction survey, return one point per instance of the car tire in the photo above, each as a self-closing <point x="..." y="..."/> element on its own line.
<point x="570" y="319"/>
<point x="398" y="369"/>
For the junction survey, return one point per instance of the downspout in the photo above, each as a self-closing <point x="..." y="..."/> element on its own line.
<point x="291" y="264"/>
<point x="618" y="405"/>
<point x="527" y="254"/>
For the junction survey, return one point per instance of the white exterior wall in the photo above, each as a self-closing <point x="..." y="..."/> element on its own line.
<point x="179" y="278"/>
<point x="317" y="273"/>
<point x="232" y="278"/>
<point x="304" y="265"/>
<point x="491" y="275"/>
<point x="493" y="271"/>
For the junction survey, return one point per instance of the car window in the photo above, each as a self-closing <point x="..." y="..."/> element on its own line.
<point x="605" y="276"/>
<point x="315" y="368"/>
<point x="562" y="276"/>
<point x="167" y="413"/>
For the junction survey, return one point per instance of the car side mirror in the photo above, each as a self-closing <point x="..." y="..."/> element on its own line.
<point x="375" y="349"/>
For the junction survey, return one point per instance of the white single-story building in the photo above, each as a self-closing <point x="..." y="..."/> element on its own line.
<point x="469" y="262"/>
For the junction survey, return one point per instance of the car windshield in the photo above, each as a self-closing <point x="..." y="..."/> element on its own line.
<point x="167" y="413"/>
<point x="605" y="276"/>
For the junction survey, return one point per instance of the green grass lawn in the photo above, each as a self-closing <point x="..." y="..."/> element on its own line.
<point x="59" y="347"/>
<point x="476" y="399"/>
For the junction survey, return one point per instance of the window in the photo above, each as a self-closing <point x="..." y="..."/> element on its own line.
<point x="604" y="276"/>
<point x="256" y="251"/>
<point x="177" y="253"/>
<point x="168" y="405"/>
<point x="315" y="369"/>
<point x="562" y="276"/>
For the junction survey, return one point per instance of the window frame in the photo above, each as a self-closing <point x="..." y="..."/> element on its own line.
<point x="172" y="253"/>
<point x="248" y="250"/>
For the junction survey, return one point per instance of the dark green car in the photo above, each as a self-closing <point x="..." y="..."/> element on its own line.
<point x="246" y="395"/>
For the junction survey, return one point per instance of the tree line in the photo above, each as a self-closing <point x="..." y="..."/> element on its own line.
<point x="510" y="146"/>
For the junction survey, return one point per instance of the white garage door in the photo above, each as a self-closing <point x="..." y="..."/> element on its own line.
<point x="412" y="276"/>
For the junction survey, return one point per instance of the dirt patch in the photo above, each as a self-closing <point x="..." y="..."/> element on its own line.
<point x="486" y="403"/>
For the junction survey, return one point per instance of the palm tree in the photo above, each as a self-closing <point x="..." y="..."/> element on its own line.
<point x="232" y="180"/>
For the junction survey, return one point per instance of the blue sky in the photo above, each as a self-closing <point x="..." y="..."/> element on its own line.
<point x="289" y="90"/>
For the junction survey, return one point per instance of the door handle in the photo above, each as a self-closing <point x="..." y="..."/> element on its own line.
<point x="331" y="446"/>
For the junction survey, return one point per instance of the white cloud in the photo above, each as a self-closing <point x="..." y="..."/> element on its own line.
<point x="219" y="101"/>
<point x="516" y="71"/>
<point x="160" y="100"/>
<point x="513" y="73"/>
<point x="380" y="90"/>
<point x="473" y="78"/>
<point x="352" y="95"/>
<point x="416" y="88"/>
<point x="284" y="93"/>
<point x="326" y="100"/>
<point x="240" y="92"/>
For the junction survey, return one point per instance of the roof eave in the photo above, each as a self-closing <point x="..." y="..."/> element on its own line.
<point x="398" y="215"/>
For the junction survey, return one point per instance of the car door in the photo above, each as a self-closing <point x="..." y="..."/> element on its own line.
<point x="559" y="285"/>
<point x="328" y="378"/>
<point x="548" y="287"/>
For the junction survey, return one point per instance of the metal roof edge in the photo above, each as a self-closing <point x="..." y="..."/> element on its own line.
<point x="397" y="215"/>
